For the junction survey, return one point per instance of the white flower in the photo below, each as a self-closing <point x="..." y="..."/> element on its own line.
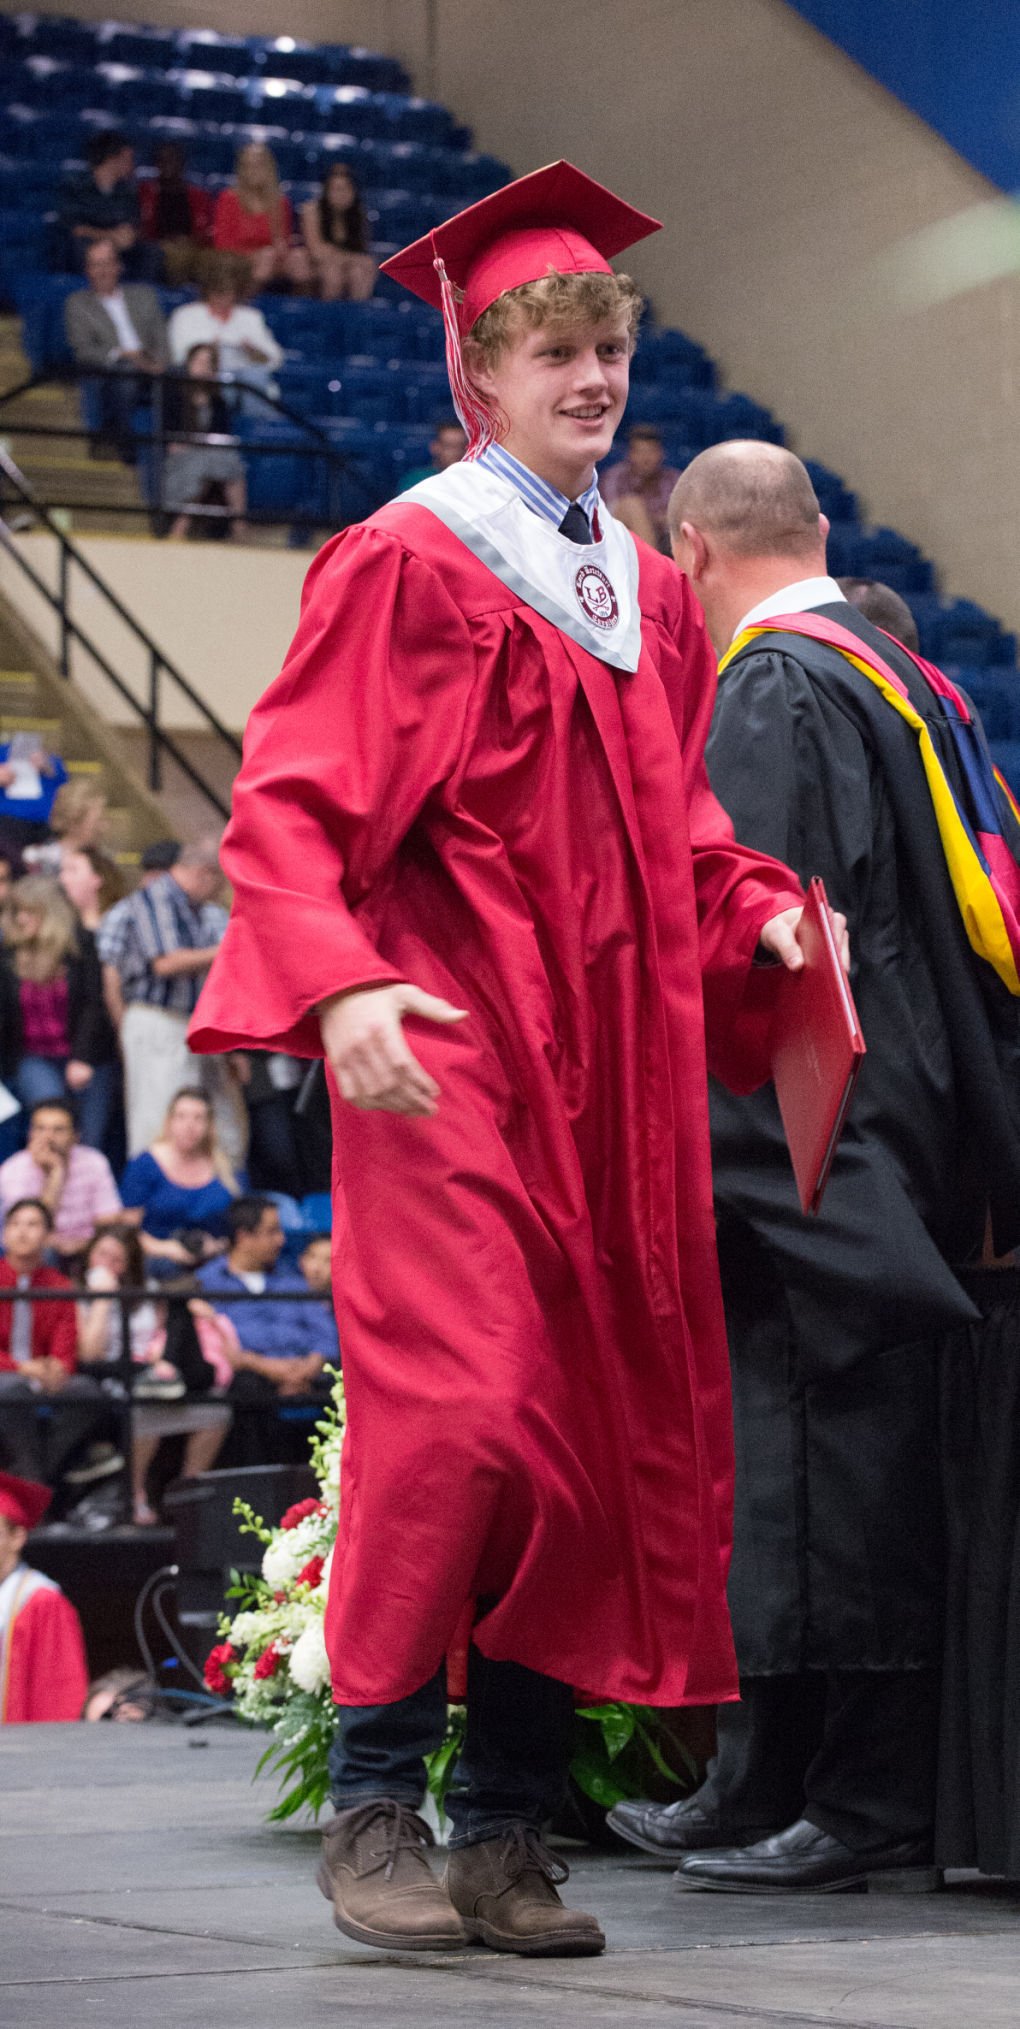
<point x="309" y="1663"/>
<point x="284" y="1557"/>
<point x="247" y="1628"/>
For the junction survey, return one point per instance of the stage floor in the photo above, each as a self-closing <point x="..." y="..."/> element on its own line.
<point x="138" y="1885"/>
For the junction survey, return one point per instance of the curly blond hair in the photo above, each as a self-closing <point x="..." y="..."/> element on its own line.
<point x="557" y="301"/>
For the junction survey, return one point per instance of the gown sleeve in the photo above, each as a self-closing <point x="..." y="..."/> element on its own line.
<point x="341" y="754"/>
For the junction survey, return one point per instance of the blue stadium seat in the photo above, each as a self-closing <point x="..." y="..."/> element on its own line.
<point x="317" y="1212"/>
<point x="70" y="41"/>
<point x="416" y="119"/>
<point x="212" y="99"/>
<point x="42" y="82"/>
<point x="134" y="95"/>
<point x="834" y="498"/>
<point x="146" y="48"/>
<point x="283" y="100"/>
<point x="204" y="49"/>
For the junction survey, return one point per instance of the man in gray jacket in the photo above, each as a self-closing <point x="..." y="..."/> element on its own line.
<point x="110" y="325"/>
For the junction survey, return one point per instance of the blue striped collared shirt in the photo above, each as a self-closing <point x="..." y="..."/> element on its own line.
<point x="543" y="499"/>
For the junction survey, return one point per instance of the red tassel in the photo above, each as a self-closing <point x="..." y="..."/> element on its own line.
<point x="478" y="420"/>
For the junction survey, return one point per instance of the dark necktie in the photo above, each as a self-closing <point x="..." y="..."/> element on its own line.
<point x="575" y="524"/>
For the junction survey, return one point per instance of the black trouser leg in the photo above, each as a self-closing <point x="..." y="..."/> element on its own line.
<point x="513" y="1766"/>
<point x="515" y="1760"/>
<point x="764" y="1746"/>
<point x="380" y="1750"/>
<point x="80" y="1415"/>
<point x="872" y="1782"/>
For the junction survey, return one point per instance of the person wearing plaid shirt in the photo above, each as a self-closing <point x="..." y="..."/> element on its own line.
<point x="158" y="945"/>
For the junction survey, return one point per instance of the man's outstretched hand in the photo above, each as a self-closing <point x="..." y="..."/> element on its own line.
<point x="374" y="1066"/>
<point x="780" y="937"/>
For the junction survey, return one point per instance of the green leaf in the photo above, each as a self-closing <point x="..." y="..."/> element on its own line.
<point x="597" y="1782"/>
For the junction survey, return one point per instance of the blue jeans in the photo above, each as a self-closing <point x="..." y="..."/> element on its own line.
<point x="40" y="1078"/>
<point x="513" y="1765"/>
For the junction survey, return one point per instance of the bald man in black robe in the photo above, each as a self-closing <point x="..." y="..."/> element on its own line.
<point x="825" y="1772"/>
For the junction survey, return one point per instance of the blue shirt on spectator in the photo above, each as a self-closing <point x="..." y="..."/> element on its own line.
<point x="277" y="1329"/>
<point x="167" y="1207"/>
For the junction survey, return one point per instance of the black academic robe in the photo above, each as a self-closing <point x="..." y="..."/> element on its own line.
<point x="834" y="1321"/>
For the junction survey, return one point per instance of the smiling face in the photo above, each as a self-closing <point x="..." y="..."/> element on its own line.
<point x="561" y="391"/>
<point x="188" y="1125"/>
<point x="110" y="1253"/>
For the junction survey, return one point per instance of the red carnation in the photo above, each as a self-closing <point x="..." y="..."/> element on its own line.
<point x="312" y="1572"/>
<point x="216" y="1666"/>
<point x="268" y="1662"/>
<point x="298" y="1512"/>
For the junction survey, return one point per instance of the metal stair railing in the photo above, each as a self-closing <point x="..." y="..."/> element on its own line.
<point x="161" y="670"/>
<point x="317" y="444"/>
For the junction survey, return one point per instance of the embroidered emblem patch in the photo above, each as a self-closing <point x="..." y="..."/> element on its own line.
<point x="596" y="597"/>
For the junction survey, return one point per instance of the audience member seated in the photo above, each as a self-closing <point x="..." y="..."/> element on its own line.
<point x="197" y="407"/>
<point x="176" y="216"/>
<point x="44" y="1672"/>
<point x="160" y="942"/>
<point x="255" y="220"/>
<point x="124" y="1694"/>
<point x="78" y="822"/>
<point x="115" y="1262"/>
<point x="58" y="1040"/>
<point x="38" y="1359"/>
<point x="92" y="883"/>
<point x="245" y="346"/>
<point x="641" y="481"/>
<point x="101" y="204"/>
<point x="30" y="779"/>
<point x="74" y="1183"/>
<point x="182" y="1185"/>
<point x="118" y="327"/>
<point x="316" y="1264"/>
<point x="285" y="1346"/>
<point x="447" y="447"/>
<point x="335" y="232"/>
<point x="158" y="858"/>
<point x="883" y="607"/>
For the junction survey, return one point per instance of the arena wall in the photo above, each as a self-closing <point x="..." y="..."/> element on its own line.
<point x="840" y="260"/>
<point x="224" y="616"/>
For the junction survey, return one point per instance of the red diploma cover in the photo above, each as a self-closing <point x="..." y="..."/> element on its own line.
<point x="817" y="1051"/>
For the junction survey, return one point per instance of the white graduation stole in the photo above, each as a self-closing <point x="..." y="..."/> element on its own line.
<point x="588" y="590"/>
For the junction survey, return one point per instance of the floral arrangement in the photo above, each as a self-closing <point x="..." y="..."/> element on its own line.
<point x="271" y="1661"/>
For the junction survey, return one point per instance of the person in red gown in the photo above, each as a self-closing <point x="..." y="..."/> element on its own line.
<point x="477" y="865"/>
<point x="43" y="1670"/>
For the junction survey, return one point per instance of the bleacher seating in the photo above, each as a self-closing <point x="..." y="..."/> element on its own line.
<point x="371" y="375"/>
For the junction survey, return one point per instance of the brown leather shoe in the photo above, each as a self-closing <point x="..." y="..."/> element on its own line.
<point x="374" y="1871"/>
<point x="505" y="1890"/>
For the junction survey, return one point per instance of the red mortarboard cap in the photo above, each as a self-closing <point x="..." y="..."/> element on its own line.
<point x="556" y="218"/>
<point x="23" y="1501"/>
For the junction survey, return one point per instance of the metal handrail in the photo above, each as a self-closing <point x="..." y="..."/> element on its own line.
<point x="319" y="446"/>
<point x="160" y="741"/>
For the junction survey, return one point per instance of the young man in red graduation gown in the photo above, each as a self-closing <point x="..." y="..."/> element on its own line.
<point x="43" y="1671"/>
<point x="477" y="864"/>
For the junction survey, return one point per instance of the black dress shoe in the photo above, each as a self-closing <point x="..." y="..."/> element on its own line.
<point x="804" y="1857"/>
<point x="669" y="1829"/>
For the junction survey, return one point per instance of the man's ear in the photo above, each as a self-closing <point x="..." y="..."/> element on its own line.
<point x="697" y="550"/>
<point x="824" y="525"/>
